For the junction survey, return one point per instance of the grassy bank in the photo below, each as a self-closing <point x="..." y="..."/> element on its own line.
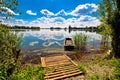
<point x="28" y="72"/>
<point x="99" y="67"/>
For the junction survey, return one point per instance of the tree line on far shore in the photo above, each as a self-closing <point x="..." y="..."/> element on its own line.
<point x="19" y="27"/>
<point x="51" y="28"/>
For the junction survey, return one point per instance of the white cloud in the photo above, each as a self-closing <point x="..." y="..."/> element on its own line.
<point x="58" y="19"/>
<point x="31" y="13"/>
<point x="82" y="21"/>
<point x="61" y="13"/>
<point x="5" y="10"/>
<point x="47" y="12"/>
<point x="20" y="22"/>
<point x="85" y="18"/>
<point x="46" y="22"/>
<point x="84" y="9"/>
<point x="13" y="22"/>
<point x="79" y="18"/>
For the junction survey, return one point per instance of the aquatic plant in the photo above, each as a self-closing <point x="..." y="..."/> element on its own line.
<point x="80" y="41"/>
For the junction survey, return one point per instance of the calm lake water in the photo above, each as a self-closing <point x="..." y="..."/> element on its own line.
<point x="46" y="38"/>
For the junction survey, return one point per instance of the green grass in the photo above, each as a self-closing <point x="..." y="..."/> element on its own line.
<point x="114" y="62"/>
<point x="29" y="73"/>
<point x="82" y="68"/>
<point x="95" y="77"/>
<point x="117" y="73"/>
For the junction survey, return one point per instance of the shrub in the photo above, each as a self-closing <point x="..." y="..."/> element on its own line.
<point x="9" y="52"/>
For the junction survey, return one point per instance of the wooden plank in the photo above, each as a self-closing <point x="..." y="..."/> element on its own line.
<point x="65" y="67"/>
<point x="55" y="57"/>
<point x="62" y="67"/>
<point x="67" y="64"/>
<point x="43" y="62"/>
<point x="64" y="60"/>
<point x="71" y="60"/>
<point x="58" y="69"/>
<point x="61" y="74"/>
<point x="58" y="64"/>
<point x="65" y="76"/>
<point x="61" y="71"/>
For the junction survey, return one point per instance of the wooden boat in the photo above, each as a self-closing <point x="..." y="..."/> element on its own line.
<point x="68" y="44"/>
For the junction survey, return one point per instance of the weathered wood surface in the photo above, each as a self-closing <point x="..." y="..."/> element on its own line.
<point x="59" y="67"/>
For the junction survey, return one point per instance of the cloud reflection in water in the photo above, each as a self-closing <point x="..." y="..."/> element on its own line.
<point x="47" y="44"/>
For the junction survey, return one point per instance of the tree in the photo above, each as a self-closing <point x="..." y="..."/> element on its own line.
<point x="110" y="17"/>
<point x="8" y="8"/>
<point x="9" y="52"/>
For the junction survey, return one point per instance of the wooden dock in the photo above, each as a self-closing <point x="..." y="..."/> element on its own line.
<point x="59" y="67"/>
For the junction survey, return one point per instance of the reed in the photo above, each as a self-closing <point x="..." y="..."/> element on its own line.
<point x="80" y="41"/>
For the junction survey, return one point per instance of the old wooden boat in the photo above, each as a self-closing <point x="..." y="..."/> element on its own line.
<point x="68" y="44"/>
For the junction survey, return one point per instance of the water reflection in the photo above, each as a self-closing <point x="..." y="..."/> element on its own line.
<point x="46" y="38"/>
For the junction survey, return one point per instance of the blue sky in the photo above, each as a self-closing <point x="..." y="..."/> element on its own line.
<point x="62" y="13"/>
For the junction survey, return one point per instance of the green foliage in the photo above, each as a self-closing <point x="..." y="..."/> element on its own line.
<point x="82" y="68"/>
<point x="110" y="20"/>
<point x="117" y="73"/>
<point x="95" y="77"/>
<point x="114" y="62"/>
<point x="80" y="41"/>
<point x="3" y="73"/>
<point x="105" y="29"/>
<point x="106" y="42"/>
<point x="8" y="52"/>
<point x="10" y="4"/>
<point x="29" y="73"/>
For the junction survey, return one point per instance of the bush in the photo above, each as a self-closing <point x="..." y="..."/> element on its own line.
<point x="8" y="52"/>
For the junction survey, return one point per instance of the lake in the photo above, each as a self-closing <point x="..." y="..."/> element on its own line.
<point x="46" y="38"/>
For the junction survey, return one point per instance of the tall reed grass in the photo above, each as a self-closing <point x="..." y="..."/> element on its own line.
<point x="80" y="41"/>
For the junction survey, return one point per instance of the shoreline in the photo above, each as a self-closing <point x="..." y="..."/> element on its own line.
<point x="34" y="56"/>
